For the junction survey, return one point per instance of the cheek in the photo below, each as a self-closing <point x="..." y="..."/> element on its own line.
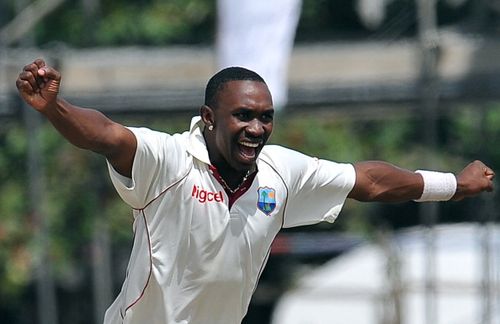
<point x="223" y="141"/>
<point x="269" y="130"/>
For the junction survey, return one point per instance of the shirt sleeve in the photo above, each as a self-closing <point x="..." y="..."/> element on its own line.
<point x="317" y="189"/>
<point x="159" y="160"/>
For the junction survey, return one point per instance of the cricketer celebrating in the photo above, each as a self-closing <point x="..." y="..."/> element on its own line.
<point x="208" y="203"/>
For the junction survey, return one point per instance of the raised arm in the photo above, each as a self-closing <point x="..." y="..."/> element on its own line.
<point x="38" y="84"/>
<point x="381" y="181"/>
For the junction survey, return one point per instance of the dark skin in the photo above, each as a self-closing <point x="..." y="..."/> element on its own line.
<point x="38" y="85"/>
<point x="242" y="121"/>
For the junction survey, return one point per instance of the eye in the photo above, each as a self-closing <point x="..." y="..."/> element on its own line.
<point x="242" y="115"/>
<point x="267" y="117"/>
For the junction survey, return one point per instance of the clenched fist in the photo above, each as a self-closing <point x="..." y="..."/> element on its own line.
<point x="38" y="84"/>
<point x="474" y="178"/>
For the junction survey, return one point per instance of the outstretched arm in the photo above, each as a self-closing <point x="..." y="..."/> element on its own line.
<point x="381" y="181"/>
<point x="38" y="84"/>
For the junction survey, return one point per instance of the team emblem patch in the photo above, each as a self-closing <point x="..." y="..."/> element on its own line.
<point x="267" y="200"/>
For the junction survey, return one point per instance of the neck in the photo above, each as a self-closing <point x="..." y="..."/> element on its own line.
<point x="233" y="178"/>
<point x="234" y="186"/>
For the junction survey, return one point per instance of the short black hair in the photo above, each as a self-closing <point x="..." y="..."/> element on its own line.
<point x="233" y="73"/>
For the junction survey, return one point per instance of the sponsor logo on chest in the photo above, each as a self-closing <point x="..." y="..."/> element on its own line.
<point x="205" y="196"/>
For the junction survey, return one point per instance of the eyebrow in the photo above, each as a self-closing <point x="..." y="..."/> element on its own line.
<point x="244" y="108"/>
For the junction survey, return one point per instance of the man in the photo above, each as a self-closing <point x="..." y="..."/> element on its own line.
<point x="208" y="202"/>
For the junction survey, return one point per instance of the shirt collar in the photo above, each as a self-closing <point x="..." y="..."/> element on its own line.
<point x="197" y="145"/>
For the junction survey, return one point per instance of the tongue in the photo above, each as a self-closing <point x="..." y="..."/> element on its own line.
<point x="247" y="151"/>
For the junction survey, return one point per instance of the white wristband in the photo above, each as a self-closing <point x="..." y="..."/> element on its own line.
<point x="438" y="186"/>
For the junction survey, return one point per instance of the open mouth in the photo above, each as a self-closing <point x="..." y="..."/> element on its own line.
<point x="248" y="149"/>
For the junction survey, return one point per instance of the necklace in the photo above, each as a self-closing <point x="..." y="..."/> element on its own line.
<point x="224" y="184"/>
<point x="232" y="191"/>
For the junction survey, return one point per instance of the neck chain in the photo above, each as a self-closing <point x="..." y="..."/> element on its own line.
<point x="232" y="191"/>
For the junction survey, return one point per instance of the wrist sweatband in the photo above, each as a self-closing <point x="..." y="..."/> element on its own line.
<point x="438" y="186"/>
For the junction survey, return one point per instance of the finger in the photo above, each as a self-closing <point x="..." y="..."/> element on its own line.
<point x="33" y="69"/>
<point x="36" y="68"/>
<point x="490" y="176"/>
<point x="27" y="81"/>
<point x="39" y="63"/>
<point x="49" y="73"/>
<point x="24" y="86"/>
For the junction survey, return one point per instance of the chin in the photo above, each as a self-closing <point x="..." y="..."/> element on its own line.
<point x="244" y="165"/>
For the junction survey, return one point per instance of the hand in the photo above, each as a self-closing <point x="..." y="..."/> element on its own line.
<point x="474" y="179"/>
<point x="38" y="85"/>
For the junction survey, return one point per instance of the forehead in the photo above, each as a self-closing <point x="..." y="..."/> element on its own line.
<point x="244" y="93"/>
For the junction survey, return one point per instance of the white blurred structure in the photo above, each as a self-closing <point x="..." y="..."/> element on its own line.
<point x="258" y="35"/>
<point x="356" y="288"/>
<point x="371" y="12"/>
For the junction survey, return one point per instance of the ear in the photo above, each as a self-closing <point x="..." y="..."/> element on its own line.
<point x="207" y="115"/>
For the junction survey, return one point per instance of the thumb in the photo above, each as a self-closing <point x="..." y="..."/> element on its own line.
<point x="50" y="80"/>
<point x="48" y="73"/>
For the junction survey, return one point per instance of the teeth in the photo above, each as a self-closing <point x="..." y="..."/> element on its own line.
<point x="249" y="144"/>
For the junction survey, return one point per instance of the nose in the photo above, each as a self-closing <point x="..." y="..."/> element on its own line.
<point x="255" y="128"/>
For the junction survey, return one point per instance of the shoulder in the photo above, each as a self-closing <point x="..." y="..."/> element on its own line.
<point x="279" y="152"/>
<point x="276" y="154"/>
<point x="150" y="137"/>
<point x="148" y="133"/>
<point x="283" y="159"/>
<point x="296" y="166"/>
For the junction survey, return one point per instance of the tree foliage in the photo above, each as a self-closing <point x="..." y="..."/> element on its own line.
<point x="163" y="22"/>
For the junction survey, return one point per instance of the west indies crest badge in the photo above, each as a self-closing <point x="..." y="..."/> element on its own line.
<point x="267" y="200"/>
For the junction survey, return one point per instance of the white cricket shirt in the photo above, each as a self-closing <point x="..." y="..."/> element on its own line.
<point x="195" y="259"/>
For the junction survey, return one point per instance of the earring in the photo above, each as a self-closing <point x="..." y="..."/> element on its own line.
<point x="211" y="127"/>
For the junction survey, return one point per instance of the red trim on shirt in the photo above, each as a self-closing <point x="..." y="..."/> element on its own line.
<point x="232" y="197"/>
<point x="138" y="298"/>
